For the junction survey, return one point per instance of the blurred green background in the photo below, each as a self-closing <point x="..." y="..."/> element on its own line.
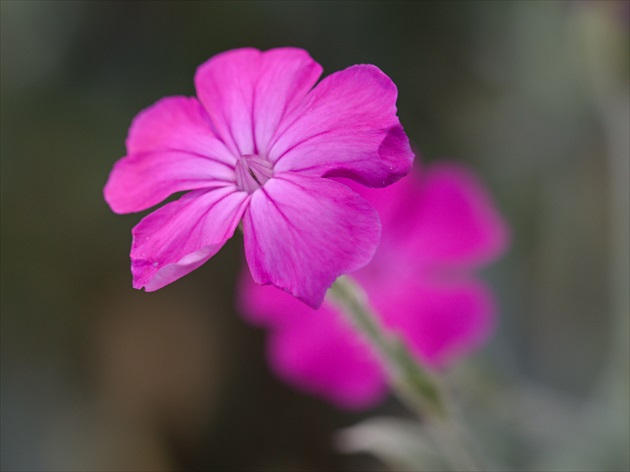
<point x="98" y="376"/>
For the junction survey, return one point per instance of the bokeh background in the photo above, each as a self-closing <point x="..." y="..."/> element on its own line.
<point x="97" y="376"/>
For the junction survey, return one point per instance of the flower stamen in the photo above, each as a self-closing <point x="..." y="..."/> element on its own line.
<point x="252" y="172"/>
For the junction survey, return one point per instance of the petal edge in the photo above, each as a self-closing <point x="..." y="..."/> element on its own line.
<point x="179" y="237"/>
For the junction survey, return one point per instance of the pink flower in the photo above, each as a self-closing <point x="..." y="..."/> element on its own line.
<point x="260" y="145"/>
<point x="438" y="227"/>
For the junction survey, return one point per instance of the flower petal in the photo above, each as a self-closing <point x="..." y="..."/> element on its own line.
<point x="346" y="127"/>
<point x="179" y="237"/>
<point x="302" y="232"/>
<point x="437" y="218"/>
<point x="322" y="356"/>
<point x="439" y="321"/>
<point x="171" y="148"/>
<point x="246" y="92"/>
<point x="316" y="351"/>
<point x="265" y="305"/>
<point x="456" y="221"/>
<point x="176" y="124"/>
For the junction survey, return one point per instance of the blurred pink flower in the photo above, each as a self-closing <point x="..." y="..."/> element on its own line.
<point x="259" y="145"/>
<point x="438" y="227"/>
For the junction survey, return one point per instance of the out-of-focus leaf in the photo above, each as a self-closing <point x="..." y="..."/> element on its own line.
<point x="398" y="443"/>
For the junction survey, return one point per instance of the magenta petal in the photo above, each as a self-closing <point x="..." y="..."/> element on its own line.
<point x="439" y="321"/>
<point x="171" y="148"/>
<point x="140" y="181"/>
<point x="316" y="351"/>
<point x="441" y="217"/>
<point x="176" y="124"/>
<point x="179" y="237"/>
<point x="456" y="221"/>
<point x="302" y="232"/>
<point x="346" y="127"/>
<point x="397" y="206"/>
<point x="322" y="356"/>
<point x="246" y="92"/>
<point x="265" y="305"/>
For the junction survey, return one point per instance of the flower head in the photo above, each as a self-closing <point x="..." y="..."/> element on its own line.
<point x="438" y="227"/>
<point x="260" y="144"/>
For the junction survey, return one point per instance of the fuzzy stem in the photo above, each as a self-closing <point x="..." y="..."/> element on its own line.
<point x="413" y="384"/>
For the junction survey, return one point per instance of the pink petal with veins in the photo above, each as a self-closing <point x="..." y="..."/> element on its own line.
<point x="179" y="237"/>
<point x="302" y="232"/>
<point x="345" y="127"/>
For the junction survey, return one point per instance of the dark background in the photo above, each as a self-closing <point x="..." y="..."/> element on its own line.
<point x="96" y="375"/>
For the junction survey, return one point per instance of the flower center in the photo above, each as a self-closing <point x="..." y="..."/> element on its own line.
<point x="252" y="172"/>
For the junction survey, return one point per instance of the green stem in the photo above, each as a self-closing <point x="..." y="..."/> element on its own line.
<point x="415" y="386"/>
